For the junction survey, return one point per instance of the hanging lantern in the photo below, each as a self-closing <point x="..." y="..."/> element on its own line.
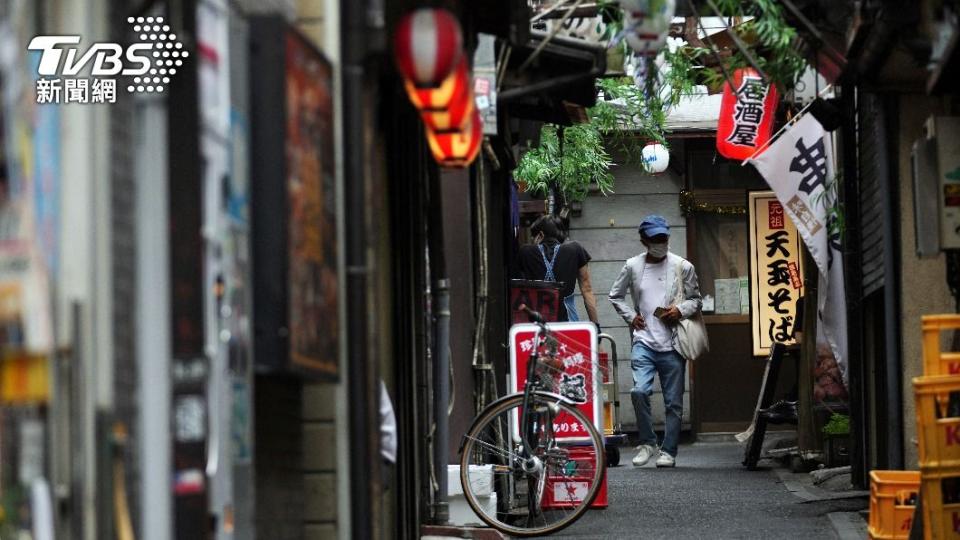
<point x="646" y="44"/>
<point x="458" y="148"/>
<point x="656" y="158"/>
<point x="454" y="117"/>
<point x="647" y="28"/>
<point x="746" y="115"/>
<point x="427" y="45"/>
<point x="439" y="98"/>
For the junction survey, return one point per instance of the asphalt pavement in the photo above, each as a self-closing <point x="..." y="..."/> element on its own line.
<point x="708" y="495"/>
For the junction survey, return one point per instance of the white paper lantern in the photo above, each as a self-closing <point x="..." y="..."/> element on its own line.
<point x="646" y="46"/>
<point x="647" y="27"/>
<point x="655" y="158"/>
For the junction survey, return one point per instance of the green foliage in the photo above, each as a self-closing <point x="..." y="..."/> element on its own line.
<point x="582" y="161"/>
<point x="839" y="424"/>
<point x="771" y="38"/>
<point x="628" y="117"/>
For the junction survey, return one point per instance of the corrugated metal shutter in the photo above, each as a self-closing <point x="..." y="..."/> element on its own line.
<point x="874" y="178"/>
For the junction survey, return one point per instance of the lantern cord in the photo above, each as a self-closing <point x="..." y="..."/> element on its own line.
<point x="785" y="126"/>
<point x="502" y="62"/>
<point x="536" y="52"/>
<point x="738" y="42"/>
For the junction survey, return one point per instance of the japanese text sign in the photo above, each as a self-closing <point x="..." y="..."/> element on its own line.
<point x="540" y="296"/>
<point x="776" y="272"/>
<point x="800" y="169"/>
<point x="576" y="378"/>
<point x="746" y="115"/>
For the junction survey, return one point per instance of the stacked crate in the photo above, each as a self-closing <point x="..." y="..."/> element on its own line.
<point x="893" y="497"/>
<point x="937" y="396"/>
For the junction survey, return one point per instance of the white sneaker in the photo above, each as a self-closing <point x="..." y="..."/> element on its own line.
<point x="666" y="460"/>
<point x="644" y="453"/>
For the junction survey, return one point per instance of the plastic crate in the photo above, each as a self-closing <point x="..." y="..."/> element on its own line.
<point x="940" y="492"/>
<point x="892" y="501"/>
<point x="936" y="362"/>
<point x="938" y="420"/>
<point x="568" y="490"/>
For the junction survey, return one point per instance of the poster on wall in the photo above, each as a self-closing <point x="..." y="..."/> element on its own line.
<point x="311" y="198"/>
<point x="776" y="272"/>
<point x="29" y="201"/>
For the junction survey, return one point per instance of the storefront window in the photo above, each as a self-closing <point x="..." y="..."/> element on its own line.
<point x="721" y="260"/>
<point x="718" y="244"/>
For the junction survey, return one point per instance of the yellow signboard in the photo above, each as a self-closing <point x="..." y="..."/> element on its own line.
<point x="776" y="272"/>
<point x="24" y="378"/>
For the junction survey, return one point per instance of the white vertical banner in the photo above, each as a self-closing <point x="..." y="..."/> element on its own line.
<point x="799" y="167"/>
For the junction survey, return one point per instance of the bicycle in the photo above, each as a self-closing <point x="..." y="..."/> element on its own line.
<point x="543" y="482"/>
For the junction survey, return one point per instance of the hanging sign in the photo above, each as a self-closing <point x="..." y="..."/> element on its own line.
<point x="799" y="166"/>
<point x="746" y="115"/>
<point x="776" y="272"/>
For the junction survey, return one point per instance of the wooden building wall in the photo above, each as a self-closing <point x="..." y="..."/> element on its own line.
<point x="607" y="228"/>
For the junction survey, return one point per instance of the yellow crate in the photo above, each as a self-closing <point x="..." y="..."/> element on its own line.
<point x="892" y="498"/>
<point x="940" y="493"/>
<point x="936" y="362"/>
<point x="938" y="428"/>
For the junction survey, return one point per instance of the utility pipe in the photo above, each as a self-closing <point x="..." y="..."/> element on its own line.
<point x="441" y="400"/>
<point x="353" y="34"/>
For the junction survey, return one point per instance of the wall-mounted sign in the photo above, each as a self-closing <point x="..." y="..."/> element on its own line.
<point x="293" y="225"/>
<point x="946" y="130"/>
<point x="776" y="272"/>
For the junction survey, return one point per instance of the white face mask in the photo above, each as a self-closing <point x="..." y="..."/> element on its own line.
<point x="658" y="250"/>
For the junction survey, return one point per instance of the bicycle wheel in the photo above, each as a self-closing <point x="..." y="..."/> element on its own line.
<point x="540" y="493"/>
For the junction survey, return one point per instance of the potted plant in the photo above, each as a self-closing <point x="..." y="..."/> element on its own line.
<point x="837" y="441"/>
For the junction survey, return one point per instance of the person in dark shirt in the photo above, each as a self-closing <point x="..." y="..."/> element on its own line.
<point x="549" y="258"/>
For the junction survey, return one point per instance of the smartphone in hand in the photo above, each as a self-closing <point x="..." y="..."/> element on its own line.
<point x="659" y="312"/>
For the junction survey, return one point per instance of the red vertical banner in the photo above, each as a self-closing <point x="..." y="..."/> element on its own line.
<point x="746" y="115"/>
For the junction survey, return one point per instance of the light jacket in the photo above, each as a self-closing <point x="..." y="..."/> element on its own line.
<point x="631" y="276"/>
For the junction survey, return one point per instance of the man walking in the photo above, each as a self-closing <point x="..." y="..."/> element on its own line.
<point x="654" y="280"/>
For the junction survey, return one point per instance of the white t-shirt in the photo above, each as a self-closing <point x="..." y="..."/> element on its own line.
<point x="653" y="287"/>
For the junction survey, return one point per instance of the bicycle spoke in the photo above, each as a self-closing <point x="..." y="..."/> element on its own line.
<point x="540" y="488"/>
<point x="494" y="448"/>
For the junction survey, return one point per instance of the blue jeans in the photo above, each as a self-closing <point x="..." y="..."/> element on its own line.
<point x="571" y="305"/>
<point x="670" y="367"/>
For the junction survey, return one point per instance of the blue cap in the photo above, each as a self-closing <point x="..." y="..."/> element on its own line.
<point x="653" y="225"/>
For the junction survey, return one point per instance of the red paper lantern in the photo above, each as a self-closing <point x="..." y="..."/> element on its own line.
<point x="457" y="148"/>
<point x="455" y="116"/>
<point x="428" y="44"/>
<point x="746" y="115"/>
<point x="441" y="97"/>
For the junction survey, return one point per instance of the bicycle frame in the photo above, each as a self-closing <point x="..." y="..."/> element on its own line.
<point x="531" y="386"/>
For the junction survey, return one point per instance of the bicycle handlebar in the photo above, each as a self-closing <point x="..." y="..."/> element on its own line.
<point x="535" y="317"/>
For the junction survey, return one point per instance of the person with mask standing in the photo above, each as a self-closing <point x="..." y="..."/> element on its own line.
<point x="550" y="258"/>
<point x="653" y="282"/>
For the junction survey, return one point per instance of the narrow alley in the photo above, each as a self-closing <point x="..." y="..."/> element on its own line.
<point x="421" y="269"/>
<point x="710" y="495"/>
